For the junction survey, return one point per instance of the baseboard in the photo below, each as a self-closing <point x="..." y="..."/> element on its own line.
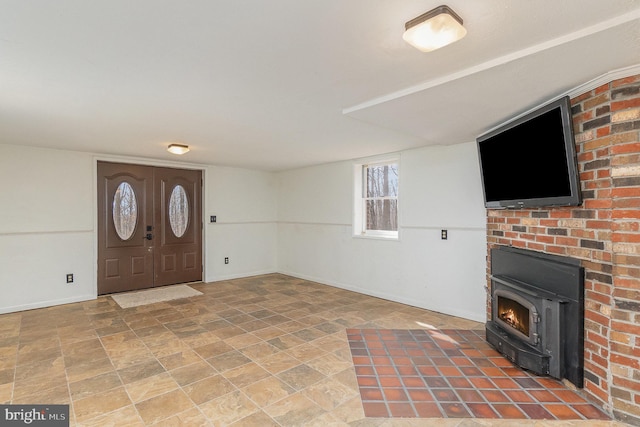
<point x="239" y="275"/>
<point x="45" y="304"/>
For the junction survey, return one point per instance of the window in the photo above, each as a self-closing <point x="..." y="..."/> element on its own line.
<point x="376" y="199"/>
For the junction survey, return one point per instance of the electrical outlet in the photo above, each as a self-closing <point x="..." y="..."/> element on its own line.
<point x="443" y="234"/>
<point x="226" y="260"/>
<point x="212" y="218"/>
<point x="70" y="278"/>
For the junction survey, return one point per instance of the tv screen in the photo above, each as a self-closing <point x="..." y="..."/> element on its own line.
<point x="531" y="161"/>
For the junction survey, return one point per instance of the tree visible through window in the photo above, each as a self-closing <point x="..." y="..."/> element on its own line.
<point x="380" y="197"/>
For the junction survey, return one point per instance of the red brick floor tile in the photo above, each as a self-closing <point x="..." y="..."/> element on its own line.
<point x="399" y="351"/>
<point x="590" y="412"/>
<point x="428" y="370"/>
<point x="436" y="382"/>
<point x="482" y="410"/>
<point x="461" y="361"/>
<point x="367" y="381"/>
<point x="494" y="396"/>
<point x="390" y="382"/>
<point x="519" y="396"/>
<point x="471" y="371"/>
<point x="402" y="410"/>
<point x="514" y="372"/>
<point x="360" y="352"/>
<point x="445" y="395"/>
<point x="455" y="374"/>
<point x="371" y="393"/>
<point x="378" y="360"/>
<point x="398" y="361"/>
<point x="395" y="395"/>
<point x="442" y="361"/>
<point x="459" y="382"/>
<point x="528" y="383"/>
<point x="508" y="410"/>
<point x="543" y="396"/>
<point x="482" y="362"/>
<point x="361" y="361"/>
<point x="407" y="370"/>
<point x="569" y="396"/>
<point x="420" y="395"/>
<point x="375" y="409"/>
<point x="470" y="395"/>
<point x="365" y="370"/>
<point x="493" y="372"/>
<point x="413" y="382"/>
<point x="382" y="352"/>
<point x="450" y="371"/>
<point x="482" y="382"/>
<point x="550" y="383"/>
<point x="455" y="410"/>
<point x="506" y="383"/>
<point x="386" y="370"/>
<point x="562" y="412"/>
<point x="536" y="411"/>
<point x="428" y="410"/>
<point x="429" y="346"/>
<point x="422" y="361"/>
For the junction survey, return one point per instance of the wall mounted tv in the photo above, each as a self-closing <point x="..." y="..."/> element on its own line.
<point x="531" y="161"/>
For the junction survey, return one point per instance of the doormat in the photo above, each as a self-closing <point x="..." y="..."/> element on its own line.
<point x="150" y="296"/>
<point x="453" y="373"/>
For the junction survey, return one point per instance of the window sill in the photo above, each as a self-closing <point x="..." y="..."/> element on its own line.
<point x="393" y="238"/>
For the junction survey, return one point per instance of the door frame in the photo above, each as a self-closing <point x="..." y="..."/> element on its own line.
<point x="143" y="162"/>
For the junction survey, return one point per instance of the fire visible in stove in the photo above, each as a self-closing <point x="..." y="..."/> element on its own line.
<point x="514" y="314"/>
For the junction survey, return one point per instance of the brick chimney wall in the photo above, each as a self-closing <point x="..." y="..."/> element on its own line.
<point x="604" y="233"/>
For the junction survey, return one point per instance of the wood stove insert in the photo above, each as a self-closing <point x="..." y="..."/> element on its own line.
<point x="537" y="312"/>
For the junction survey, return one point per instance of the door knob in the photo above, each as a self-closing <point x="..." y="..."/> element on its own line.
<point x="149" y="236"/>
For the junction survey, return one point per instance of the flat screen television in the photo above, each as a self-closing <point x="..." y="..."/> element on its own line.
<point x="531" y="161"/>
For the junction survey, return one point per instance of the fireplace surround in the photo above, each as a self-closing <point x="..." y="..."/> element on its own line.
<point x="603" y="234"/>
<point x="537" y="314"/>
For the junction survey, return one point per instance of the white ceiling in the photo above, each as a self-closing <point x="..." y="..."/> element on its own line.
<point x="281" y="84"/>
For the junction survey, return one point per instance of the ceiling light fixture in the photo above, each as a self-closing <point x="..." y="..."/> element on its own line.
<point x="178" y="149"/>
<point x="434" y="29"/>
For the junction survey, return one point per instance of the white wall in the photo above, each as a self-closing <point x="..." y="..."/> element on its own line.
<point x="296" y="222"/>
<point x="245" y="205"/>
<point x="439" y="189"/>
<point x="47" y="225"/>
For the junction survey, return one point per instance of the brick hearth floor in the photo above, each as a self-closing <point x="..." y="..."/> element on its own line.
<point x="453" y="373"/>
<point x="262" y="351"/>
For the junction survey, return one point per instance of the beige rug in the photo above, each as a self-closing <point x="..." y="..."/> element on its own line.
<point x="150" y="296"/>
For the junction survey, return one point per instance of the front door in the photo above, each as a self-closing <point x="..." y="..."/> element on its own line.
<point x="149" y="227"/>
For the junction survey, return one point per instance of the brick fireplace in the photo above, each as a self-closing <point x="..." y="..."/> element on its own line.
<point x="604" y="234"/>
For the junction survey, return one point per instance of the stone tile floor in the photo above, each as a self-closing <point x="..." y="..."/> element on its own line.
<point x="262" y="351"/>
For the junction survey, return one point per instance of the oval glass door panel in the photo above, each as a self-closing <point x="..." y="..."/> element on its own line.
<point x="179" y="211"/>
<point x="125" y="211"/>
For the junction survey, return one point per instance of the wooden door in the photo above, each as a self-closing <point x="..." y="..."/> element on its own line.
<point x="149" y="227"/>
<point x="178" y="226"/>
<point x="125" y="210"/>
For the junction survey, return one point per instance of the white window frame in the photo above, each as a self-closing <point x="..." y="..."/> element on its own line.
<point x="359" y="199"/>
